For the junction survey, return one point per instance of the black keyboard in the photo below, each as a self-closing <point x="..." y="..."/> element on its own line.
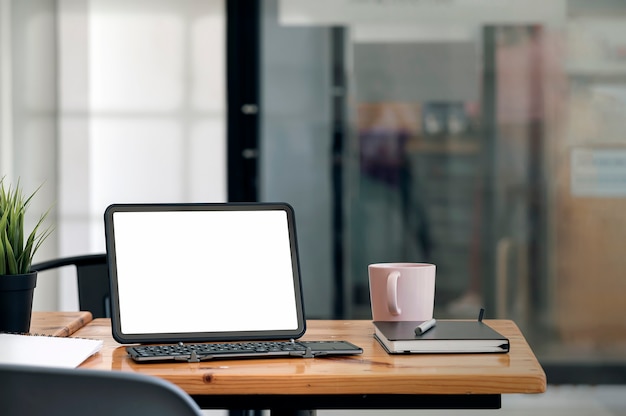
<point x="261" y="349"/>
<point x="200" y="352"/>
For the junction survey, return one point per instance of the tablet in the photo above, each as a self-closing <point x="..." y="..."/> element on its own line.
<point x="203" y="272"/>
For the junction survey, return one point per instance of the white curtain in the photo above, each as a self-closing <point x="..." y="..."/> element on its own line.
<point x="108" y="101"/>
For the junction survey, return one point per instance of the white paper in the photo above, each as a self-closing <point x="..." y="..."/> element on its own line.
<point x="46" y="351"/>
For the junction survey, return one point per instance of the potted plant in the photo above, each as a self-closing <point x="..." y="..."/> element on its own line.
<point x="17" y="248"/>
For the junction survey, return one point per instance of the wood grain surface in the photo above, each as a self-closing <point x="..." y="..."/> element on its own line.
<point x="373" y="372"/>
<point x="59" y="324"/>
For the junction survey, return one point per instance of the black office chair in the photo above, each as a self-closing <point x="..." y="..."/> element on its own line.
<point x="92" y="273"/>
<point x="35" y="391"/>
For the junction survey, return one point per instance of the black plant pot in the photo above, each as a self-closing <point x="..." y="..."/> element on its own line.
<point x="16" y="301"/>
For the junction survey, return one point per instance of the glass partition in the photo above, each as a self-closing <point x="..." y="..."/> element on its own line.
<point x="484" y="137"/>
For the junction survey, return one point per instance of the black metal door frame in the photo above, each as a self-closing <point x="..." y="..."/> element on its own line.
<point x="242" y="96"/>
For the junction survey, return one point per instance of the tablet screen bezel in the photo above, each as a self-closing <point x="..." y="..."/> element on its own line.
<point x="142" y="224"/>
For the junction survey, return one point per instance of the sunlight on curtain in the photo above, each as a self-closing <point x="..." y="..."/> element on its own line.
<point x="28" y="114"/>
<point x="152" y="108"/>
<point x="110" y="101"/>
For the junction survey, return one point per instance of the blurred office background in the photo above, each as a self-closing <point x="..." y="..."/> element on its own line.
<point x="486" y="137"/>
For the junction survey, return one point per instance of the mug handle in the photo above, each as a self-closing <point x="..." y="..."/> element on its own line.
<point x="392" y="293"/>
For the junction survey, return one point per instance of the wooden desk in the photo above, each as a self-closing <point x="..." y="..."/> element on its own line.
<point x="58" y="324"/>
<point x="374" y="379"/>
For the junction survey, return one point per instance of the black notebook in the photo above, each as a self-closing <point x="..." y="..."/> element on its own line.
<point x="448" y="336"/>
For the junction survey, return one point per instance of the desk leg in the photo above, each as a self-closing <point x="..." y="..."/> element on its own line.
<point x="273" y="412"/>
<point x="292" y="412"/>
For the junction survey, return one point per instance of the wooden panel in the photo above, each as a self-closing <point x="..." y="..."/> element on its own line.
<point x="589" y="263"/>
<point x="374" y="372"/>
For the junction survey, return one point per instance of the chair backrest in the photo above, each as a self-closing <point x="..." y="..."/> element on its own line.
<point x="34" y="391"/>
<point x="92" y="272"/>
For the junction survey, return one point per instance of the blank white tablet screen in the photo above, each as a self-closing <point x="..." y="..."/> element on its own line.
<point x="204" y="271"/>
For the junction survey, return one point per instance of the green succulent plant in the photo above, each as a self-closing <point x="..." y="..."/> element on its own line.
<point x="16" y="248"/>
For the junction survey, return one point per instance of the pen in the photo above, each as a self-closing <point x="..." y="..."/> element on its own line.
<point x="425" y="326"/>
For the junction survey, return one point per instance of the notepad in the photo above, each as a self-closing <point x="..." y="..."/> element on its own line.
<point x="46" y="351"/>
<point x="448" y="336"/>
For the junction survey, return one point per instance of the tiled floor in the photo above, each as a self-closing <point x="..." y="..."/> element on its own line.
<point x="557" y="401"/>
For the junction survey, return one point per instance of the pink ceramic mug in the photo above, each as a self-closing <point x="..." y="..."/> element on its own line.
<point x="402" y="291"/>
